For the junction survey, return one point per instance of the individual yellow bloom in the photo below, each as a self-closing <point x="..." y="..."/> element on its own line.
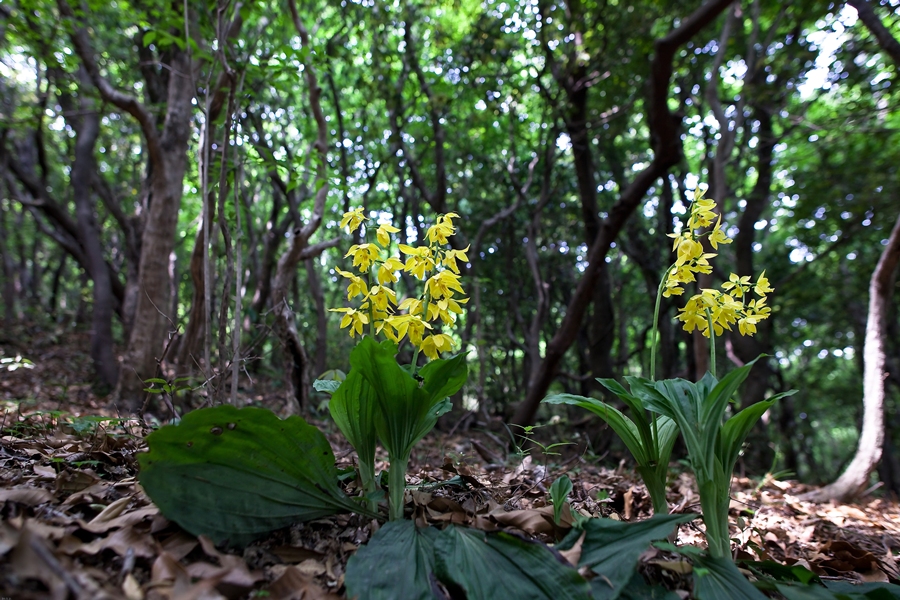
<point x="412" y="305"/>
<point x="747" y="324"/>
<point x="363" y="255"/>
<point x="717" y="236"/>
<point x="452" y="256"/>
<point x="434" y="344"/>
<point x="692" y="319"/>
<point x="356" y="287"/>
<point x="442" y="285"/>
<point x="672" y="288"/>
<point x="447" y="309"/>
<point x="689" y="249"/>
<point x="383" y="234"/>
<point x="758" y="307"/>
<point x="411" y="325"/>
<point x="762" y="285"/>
<point x="382" y="297"/>
<point x="419" y="261"/>
<point x="740" y="285"/>
<point x="442" y="229"/>
<point x="387" y="270"/>
<point x="353" y="218"/>
<point x="701" y="264"/>
<point x="354" y="319"/>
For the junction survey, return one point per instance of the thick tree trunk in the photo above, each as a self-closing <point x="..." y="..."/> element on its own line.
<point x="102" y="351"/>
<point x="855" y="478"/>
<point x="151" y="322"/>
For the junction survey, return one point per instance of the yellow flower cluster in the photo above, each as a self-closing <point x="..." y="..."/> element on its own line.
<point x="434" y="264"/>
<point x="722" y="308"/>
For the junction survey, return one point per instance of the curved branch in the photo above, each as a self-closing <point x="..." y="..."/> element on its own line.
<point x="124" y="101"/>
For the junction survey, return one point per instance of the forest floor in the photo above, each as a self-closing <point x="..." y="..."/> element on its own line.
<point x="74" y="522"/>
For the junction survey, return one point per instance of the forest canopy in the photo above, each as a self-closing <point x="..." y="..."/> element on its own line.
<point x="174" y="182"/>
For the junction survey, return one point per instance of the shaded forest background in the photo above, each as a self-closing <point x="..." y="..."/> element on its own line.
<point x="569" y="137"/>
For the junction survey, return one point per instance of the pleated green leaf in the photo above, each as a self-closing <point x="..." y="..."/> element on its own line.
<point x="718" y="578"/>
<point x="236" y="474"/>
<point x="398" y="562"/>
<point x="477" y="565"/>
<point x="612" y="548"/>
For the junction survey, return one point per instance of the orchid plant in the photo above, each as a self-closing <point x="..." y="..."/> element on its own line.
<point x="380" y="399"/>
<point x="660" y="409"/>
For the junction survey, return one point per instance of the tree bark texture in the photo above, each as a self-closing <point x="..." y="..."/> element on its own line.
<point x="102" y="349"/>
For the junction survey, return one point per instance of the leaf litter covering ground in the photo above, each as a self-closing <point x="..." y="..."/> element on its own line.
<point x="75" y="523"/>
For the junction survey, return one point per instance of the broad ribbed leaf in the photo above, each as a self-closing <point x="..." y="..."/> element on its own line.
<point x="408" y="410"/>
<point x="398" y="562"/>
<point x="612" y="548"/>
<point x="235" y="474"/>
<point x="477" y="565"/>
<point x="638" y="411"/>
<point x="353" y="407"/>
<point x="719" y="578"/>
<point x="679" y="400"/>
<point x="402" y="402"/>
<point x="442" y="378"/>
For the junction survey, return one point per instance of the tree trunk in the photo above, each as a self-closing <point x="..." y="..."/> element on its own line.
<point x="102" y="351"/>
<point x="146" y="345"/>
<point x="855" y="478"/>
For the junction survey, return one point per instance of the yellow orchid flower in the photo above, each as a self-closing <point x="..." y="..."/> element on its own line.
<point x="436" y="343"/>
<point x="452" y="256"/>
<point x="443" y="284"/>
<point x="762" y="286"/>
<point x="387" y="270"/>
<point x="353" y="218"/>
<point x="383" y="234"/>
<point x="363" y="255"/>
<point x="357" y="285"/>
<point x="354" y="319"/>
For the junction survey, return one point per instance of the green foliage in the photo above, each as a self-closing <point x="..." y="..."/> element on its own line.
<point x="236" y="474"/>
<point x="647" y="436"/>
<point x="713" y="446"/>
<point x="352" y="406"/>
<point x="401" y="561"/>
<point x="559" y="493"/>
<point x="718" y="577"/>
<point x="405" y="409"/>
<point x="398" y="562"/>
<point x="611" y="549"/>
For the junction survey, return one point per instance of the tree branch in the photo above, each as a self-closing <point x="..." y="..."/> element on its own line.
<point x="124" y="101"/>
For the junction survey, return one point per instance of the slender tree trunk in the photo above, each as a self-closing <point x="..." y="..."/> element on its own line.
<point x="9" y="274"/>
<point x="855" y="478"/>
<point x="318" y="296"/>
<point x="102" y="350"/>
